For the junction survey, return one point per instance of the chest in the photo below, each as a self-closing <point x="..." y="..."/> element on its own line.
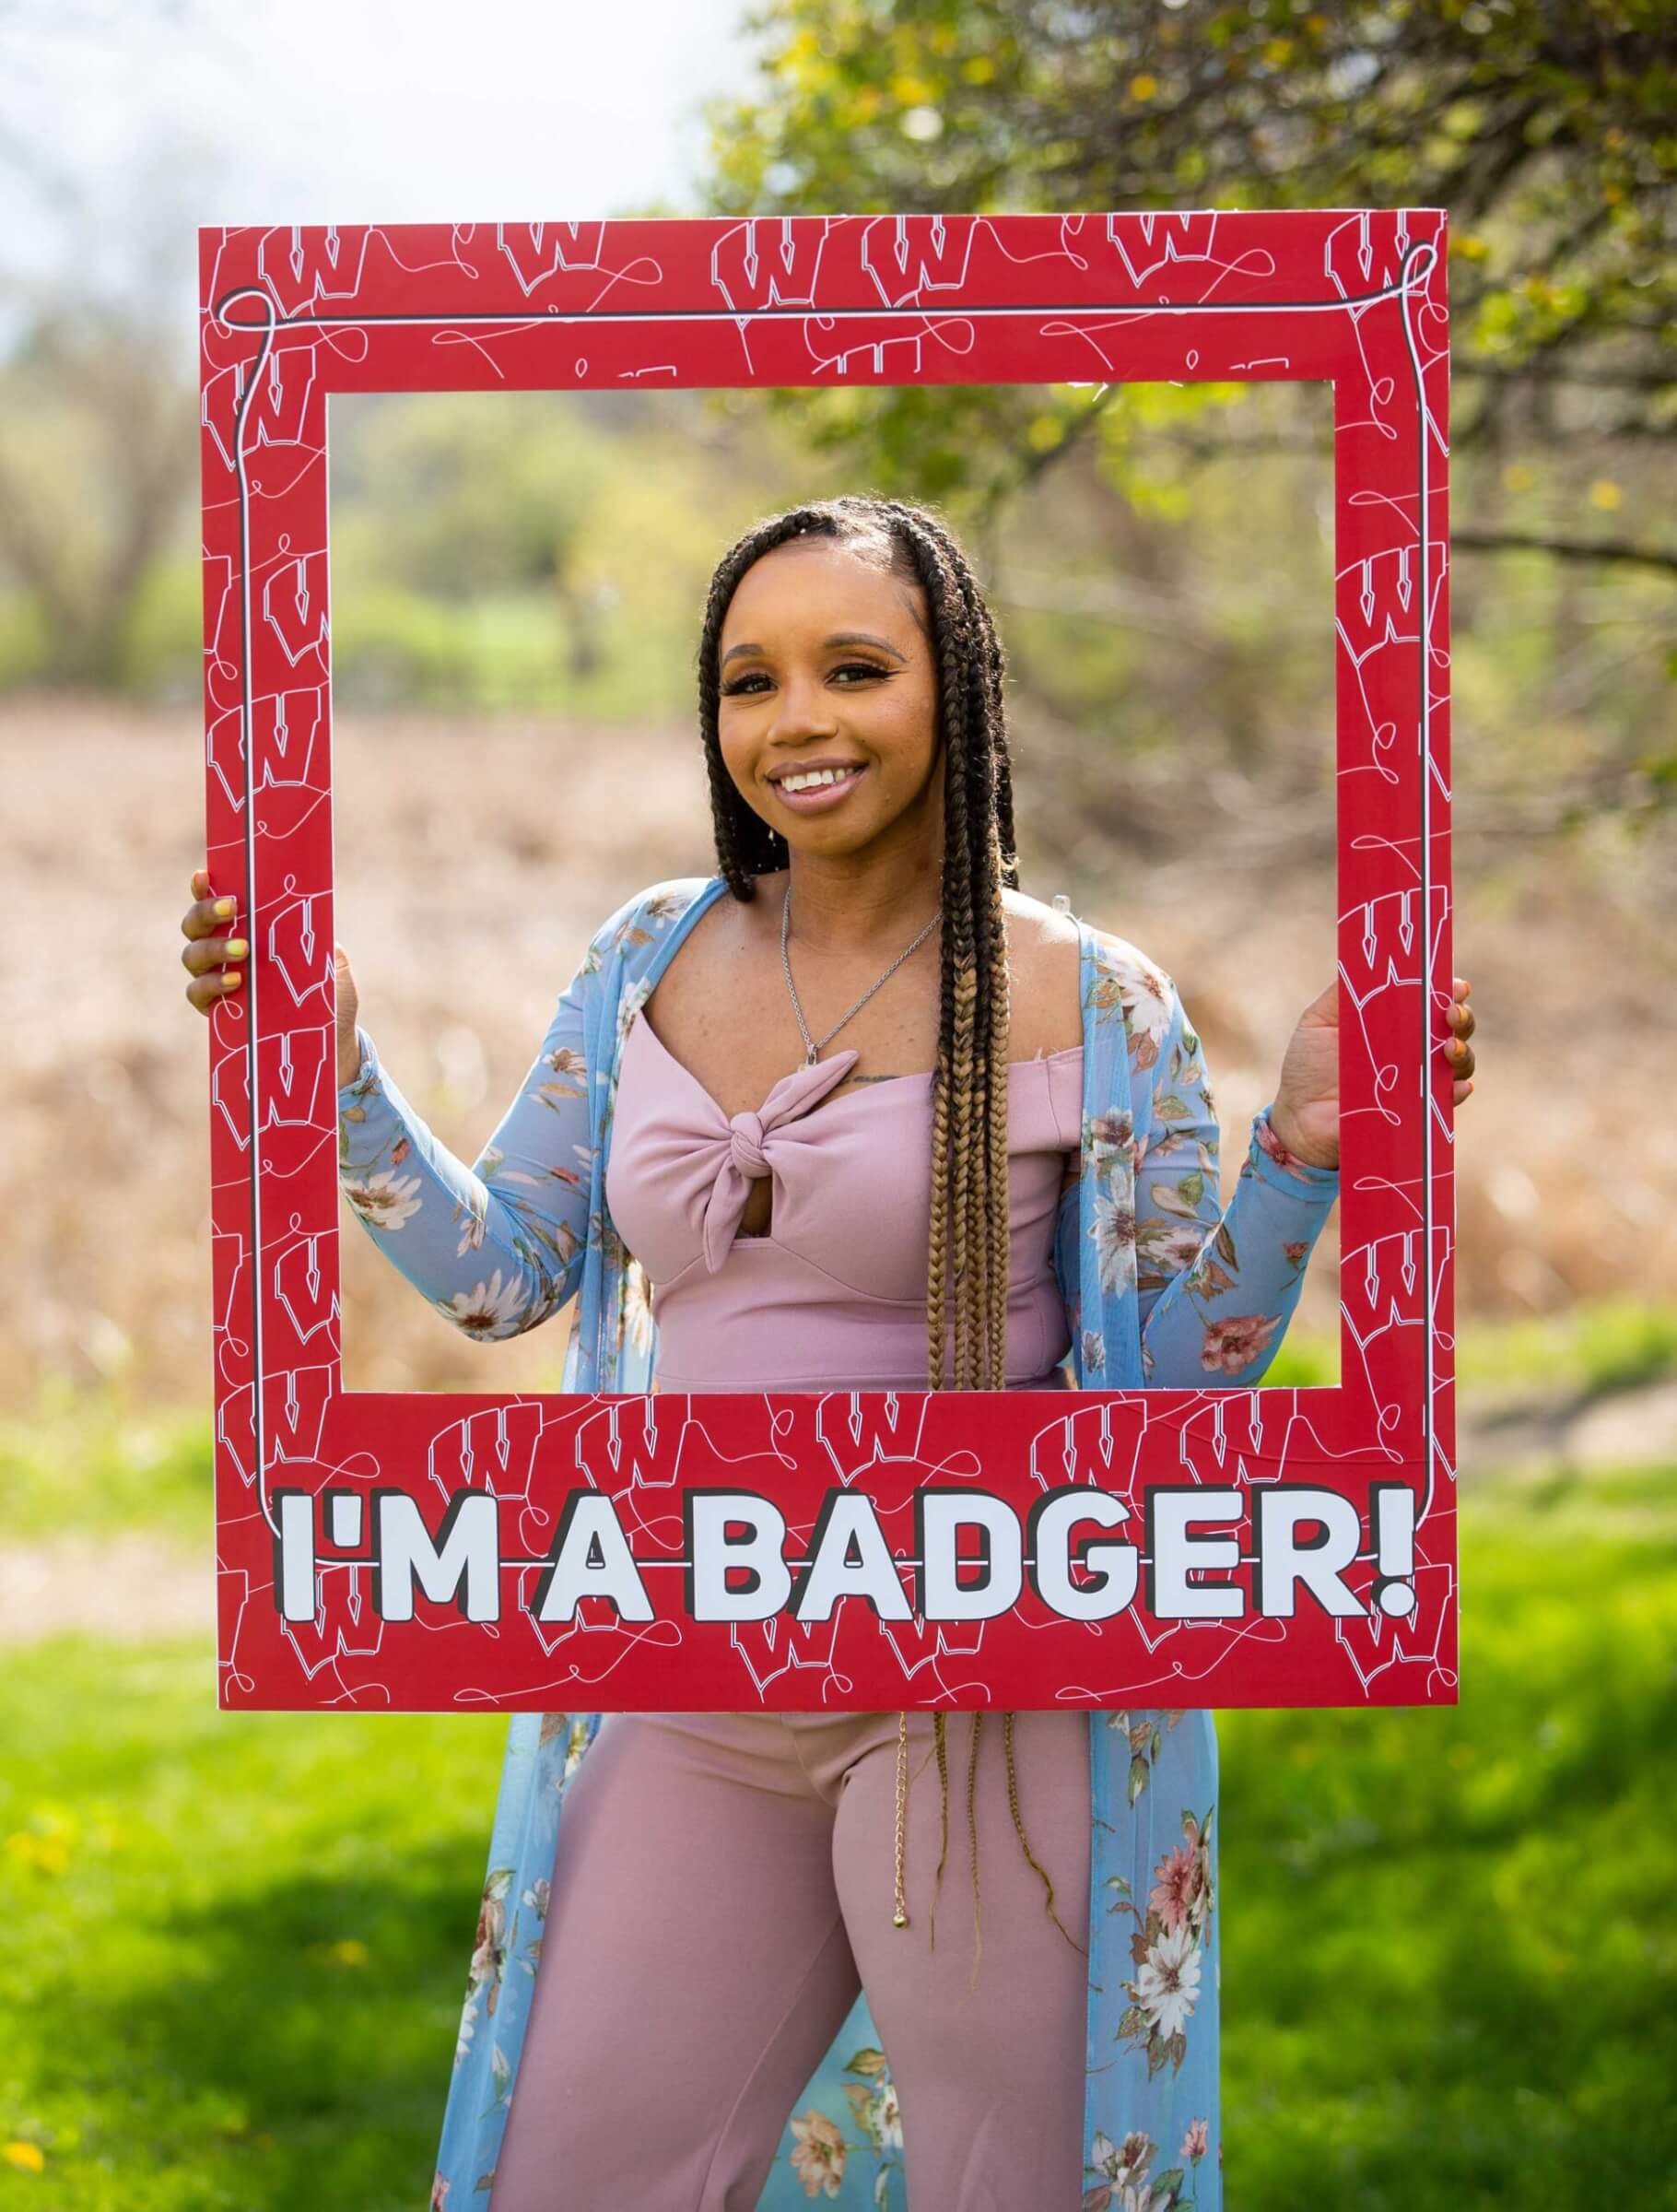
<point x="842" y="1183"/>
<point x="725" y="1012"/>
<point x="723" y="1006"/>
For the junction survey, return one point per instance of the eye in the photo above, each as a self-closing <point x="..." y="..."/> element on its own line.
<point x="743" y="684"/>
<point x="860" y="669"/>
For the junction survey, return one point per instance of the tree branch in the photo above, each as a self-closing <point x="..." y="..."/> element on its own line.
<point x="1607" y="548"/>
<point x="1536" y="372"/>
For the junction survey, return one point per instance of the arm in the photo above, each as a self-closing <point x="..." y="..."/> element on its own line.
<point x="1216" y="1289"/>
<point x="498" y="1246"/>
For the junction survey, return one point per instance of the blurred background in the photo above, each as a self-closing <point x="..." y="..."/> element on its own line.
<point x="234" y="1950"/>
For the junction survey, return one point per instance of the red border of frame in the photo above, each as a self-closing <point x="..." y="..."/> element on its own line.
<point x="290" y="315"/>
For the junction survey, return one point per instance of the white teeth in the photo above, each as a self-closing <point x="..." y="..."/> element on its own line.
<point x="816" y="778"/>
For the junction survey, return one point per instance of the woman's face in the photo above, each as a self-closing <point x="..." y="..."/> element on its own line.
<point x="828" y="711"/>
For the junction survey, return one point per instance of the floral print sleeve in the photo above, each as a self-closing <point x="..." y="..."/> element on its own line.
<point x="1215" y="1288"/>
<point x="496" y="1247"/>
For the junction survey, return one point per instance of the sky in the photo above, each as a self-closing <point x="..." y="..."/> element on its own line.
<point x="154" y="116"/>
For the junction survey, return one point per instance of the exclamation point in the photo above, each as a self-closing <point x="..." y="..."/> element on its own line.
<point x="1392" y="1508"/>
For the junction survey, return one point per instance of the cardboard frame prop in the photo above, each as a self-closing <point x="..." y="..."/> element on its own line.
<point x="1295" y="1547"/>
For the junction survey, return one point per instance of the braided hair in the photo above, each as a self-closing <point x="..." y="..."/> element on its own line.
<point x="967" y="1257"/>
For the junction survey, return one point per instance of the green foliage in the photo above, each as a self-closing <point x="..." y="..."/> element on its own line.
<point x="482" y="498"/>
<point x="25" y="647"/>
<point x="1593" y="1347"/>
<point x="540" y="551"/>
<point x="533" y="551"/>
<point x="84" y="1462"/>
<point x="1156" y="644"/>
<point x="97" y="457"/>
<point x="1602" y="1345"/>
<point x="1591" y="1350"/>
<point x="1545" y="132"/>
<point x="162" y="650"/>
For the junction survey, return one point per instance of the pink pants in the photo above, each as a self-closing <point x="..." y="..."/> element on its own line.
<point x="722" y="1887"/>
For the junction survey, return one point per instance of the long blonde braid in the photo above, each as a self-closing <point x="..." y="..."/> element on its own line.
<point x="968" y="1259"/>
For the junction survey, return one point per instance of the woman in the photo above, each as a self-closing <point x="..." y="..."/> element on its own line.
<point x="716" y="1982"/>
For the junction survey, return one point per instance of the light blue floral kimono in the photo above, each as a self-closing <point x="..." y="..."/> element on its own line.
<point x="1162" y="1288"/>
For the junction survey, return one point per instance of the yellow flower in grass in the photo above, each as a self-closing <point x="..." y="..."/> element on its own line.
<point x="346" y="1950"/>
<point x="28" y="2158"/>
<point x="49" y="1854"/>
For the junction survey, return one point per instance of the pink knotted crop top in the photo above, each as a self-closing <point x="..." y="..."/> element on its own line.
<point x="833" y="1296"/>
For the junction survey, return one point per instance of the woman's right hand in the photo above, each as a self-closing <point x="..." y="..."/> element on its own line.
<point x="214" y="961"/>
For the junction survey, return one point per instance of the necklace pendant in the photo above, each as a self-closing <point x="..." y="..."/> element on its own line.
<point x="811" y="1056"/>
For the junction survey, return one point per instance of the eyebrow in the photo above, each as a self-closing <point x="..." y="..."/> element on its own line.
<point x="843" y="637"/>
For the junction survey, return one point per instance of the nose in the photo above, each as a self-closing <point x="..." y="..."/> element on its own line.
<point x="806" y="709"/>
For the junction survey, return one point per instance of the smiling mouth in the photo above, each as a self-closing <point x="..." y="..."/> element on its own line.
<point x="816" y="779"/>
<point x="806" y="788"/>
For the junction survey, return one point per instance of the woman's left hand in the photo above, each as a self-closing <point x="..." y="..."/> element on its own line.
<point x="1305" y="1115"/>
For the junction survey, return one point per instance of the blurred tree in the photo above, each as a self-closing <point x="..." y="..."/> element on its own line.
<point x="481" y="499"/>
<point x="97" y="441"/>
<point x="98" y="451"/>
<point x="1546" y="128"/>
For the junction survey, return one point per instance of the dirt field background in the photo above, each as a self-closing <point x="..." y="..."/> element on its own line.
<point x="473" y="861"/>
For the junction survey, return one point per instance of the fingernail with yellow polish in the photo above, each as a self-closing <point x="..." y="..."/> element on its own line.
<point x="225" y="906"/>
<point x="236" y="947"/>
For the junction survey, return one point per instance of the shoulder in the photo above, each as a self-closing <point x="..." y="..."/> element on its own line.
<point x="1046" y="948"/>
<point x="648" y="916"/>
<point x="1130" y="986"/>
<point x="1045" y="977"/>
<point x="1050" y="943"/>
<point x="1136" y="972"/>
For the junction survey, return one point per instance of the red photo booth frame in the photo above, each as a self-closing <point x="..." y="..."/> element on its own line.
<point x="392" y="1549"/>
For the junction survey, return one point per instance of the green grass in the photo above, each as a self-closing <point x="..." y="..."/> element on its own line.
<point x="1602" y="1345"/>
<point x="1449" y="1968"/>
<point x="1307" y="1360"/>
<point x="83" y="1461"/>
<point x="236" y="1945"/>
<point x="1593" y="1347"/>
<point x="91" y="1462"/>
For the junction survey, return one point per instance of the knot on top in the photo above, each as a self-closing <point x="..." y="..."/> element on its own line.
<point x="744" y="1153"/>
<point x="746" y="1142"/>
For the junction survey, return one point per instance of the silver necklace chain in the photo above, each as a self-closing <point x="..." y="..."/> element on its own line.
<point x="813" y="1046"/>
